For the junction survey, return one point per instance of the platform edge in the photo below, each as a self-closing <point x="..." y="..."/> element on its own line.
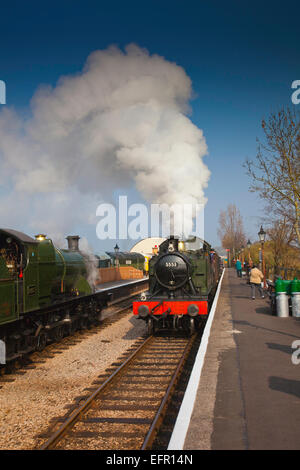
<point x="184" y="416"/>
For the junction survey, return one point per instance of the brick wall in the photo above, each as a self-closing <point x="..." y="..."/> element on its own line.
<point x="117" y="274"/>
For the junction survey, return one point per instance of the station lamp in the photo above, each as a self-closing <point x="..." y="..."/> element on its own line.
<point x="262" y="237"/>
<point x="117" y="249"/>
<point x="249" y="246"/>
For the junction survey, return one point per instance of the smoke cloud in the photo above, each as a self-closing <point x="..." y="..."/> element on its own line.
<point x="121" y="121"/>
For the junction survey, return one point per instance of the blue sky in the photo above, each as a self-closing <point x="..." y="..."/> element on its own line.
<point x="241" y="57"/>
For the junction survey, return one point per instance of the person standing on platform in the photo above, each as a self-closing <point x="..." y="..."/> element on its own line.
<point x="247" y="268"/>
<point x="238" y="266"/>
<point x="256" y="277"/>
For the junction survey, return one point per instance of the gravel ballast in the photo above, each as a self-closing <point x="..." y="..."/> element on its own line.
<point x="28" y="404"/>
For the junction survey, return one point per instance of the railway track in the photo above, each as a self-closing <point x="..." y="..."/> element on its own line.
<point x="127" y="408"/>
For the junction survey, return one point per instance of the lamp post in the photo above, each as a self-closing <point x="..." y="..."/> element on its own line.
<point x="262" y="237"/>
<point x="242" y="256"/>
<point x="116" y="248"/>
<point x="249" y="257"/>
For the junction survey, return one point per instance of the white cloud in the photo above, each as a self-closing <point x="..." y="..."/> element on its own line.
<point x="122" y="120"/>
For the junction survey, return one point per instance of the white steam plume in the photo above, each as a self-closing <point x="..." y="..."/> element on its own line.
<point x="91" y="262"/>
<point x="121" y="120"/>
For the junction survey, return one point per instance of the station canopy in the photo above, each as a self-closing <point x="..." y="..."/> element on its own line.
<point x="146" y="245"/>
<point x="102" y="255"/>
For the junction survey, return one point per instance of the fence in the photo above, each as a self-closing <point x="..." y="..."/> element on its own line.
<point x="117" y="274"/>
<point x="284" y="273"/>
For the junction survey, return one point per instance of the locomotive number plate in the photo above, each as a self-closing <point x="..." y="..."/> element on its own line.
<point x="171" y="264"/>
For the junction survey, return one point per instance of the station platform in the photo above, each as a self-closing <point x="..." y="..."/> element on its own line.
<point x="122" y="282"/>
<point x="248" y="392"/>
<point x="123" y="289"/>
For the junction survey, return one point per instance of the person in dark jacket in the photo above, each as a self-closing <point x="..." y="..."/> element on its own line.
<point x="238" y="267"/>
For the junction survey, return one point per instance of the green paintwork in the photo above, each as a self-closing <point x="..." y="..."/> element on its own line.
<point x="47" y="271"/>
<point x="295" y="286"/>
<point x="281" y="285"/>
<point x="49" y="274"/>
<point x="4" y="273"/>
<point x="31" y="280"/>
<point x="76" y="273"/>
<point x="7" y="302"/>
<point x="201" y="271"/>
<point x="7" y="295"/>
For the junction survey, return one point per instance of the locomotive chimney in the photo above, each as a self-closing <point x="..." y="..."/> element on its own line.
<point x="173" y="243"/>
<point x="73" y="242"/>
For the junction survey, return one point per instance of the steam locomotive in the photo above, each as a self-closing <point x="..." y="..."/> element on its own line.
<point x="183" y="278"/>
<point x="44" y="292"/>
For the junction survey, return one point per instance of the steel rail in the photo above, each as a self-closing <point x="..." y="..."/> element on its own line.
<point x="76" y="414"/>
<point x="149" y="439"/>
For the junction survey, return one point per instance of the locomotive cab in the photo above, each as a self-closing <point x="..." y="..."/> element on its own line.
<point x="16" y="249"/>
<point x="13" y="255"/>
<point x="35" y="279"/>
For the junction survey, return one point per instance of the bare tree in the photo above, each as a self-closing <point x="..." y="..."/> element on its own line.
<point x="281" y="234"/>
<point x="276" y="172"/>
<point x="231" y="229"/>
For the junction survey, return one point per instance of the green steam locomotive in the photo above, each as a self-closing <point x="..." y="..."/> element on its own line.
<point x="183" y="279"/>
<point x="44" y="291"/>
